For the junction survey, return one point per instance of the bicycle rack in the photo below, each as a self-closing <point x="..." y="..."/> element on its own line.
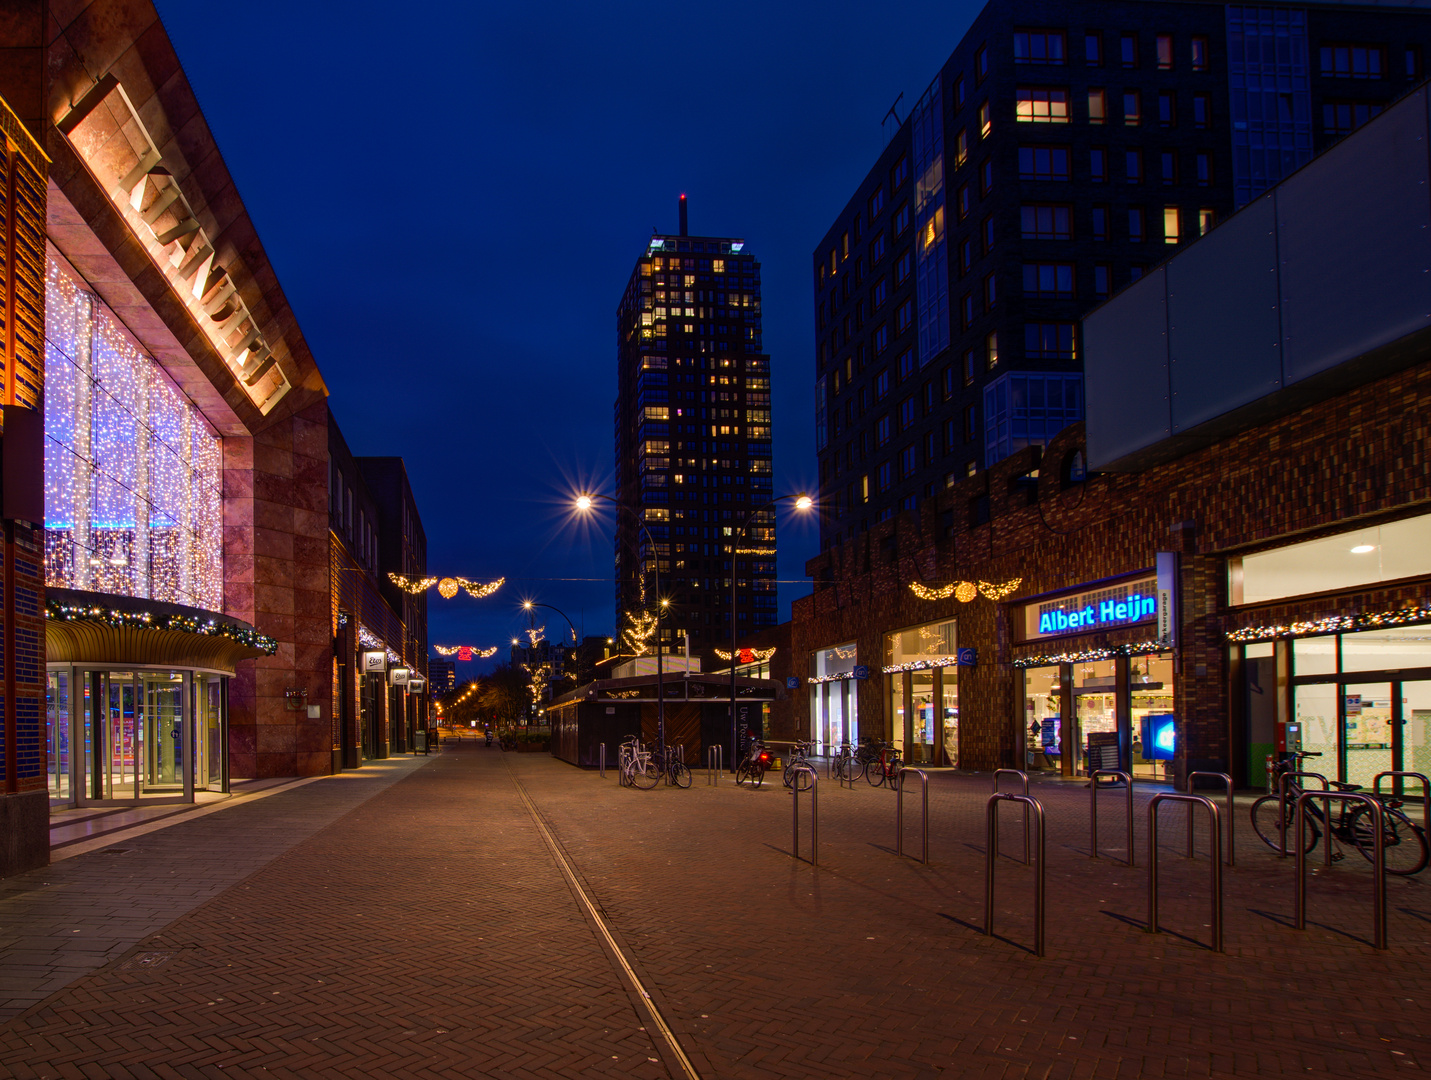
<point x="1378" y="859"/>
<point x="1215" y="841"/>
<point x="992" y="855"/>
<point x="715" y="764"/>
<point x="899" y="811"/>
<point x="1425" y="793"/>
<point x="814" y="815"/>
<point x="603" y="761"/>
<point x="1093" y="810"/>
<point x="1025" y="778"/>
<point x="1231" y="815"/>
<point x="1282" y="809"/>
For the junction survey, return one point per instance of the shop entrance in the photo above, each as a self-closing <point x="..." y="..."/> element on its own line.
<point x="922" y="696"/>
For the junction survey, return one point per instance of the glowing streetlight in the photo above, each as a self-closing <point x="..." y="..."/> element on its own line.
<point x="583" y="503"/>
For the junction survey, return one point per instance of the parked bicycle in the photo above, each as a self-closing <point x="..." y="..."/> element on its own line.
<point x="638" y="767"/>
<point x="1403" y="842"/>
<point x="670" y="764"/>
<point x="849" y="766"/>
<point x="800" y="756"/>
<point x="885" y="769"/>
<point x="752" y="767"/>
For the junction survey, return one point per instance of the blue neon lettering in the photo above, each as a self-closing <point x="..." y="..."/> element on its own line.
<point x="1134" y="608"/>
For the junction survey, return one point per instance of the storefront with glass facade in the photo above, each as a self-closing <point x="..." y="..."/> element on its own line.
<point x="834" y="712"/>
<point x="922" y="692"/>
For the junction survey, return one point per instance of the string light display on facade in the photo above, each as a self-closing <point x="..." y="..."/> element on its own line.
<point x="965" y="591"/>
<point x="133" y="488"/>
<point x="756" y="655"/>
<point x="478" y="653"/>
<point x="1331" y="624"/>
<point x="124" y="620"/>
<point x="447" y="587"/>
<point x="636" y="635"/>
<point x="370" y="640"/>
<point x="1088" y="655"/>
<point x="755" y="551"/>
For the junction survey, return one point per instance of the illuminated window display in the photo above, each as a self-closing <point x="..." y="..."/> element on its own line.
<point x="1150" y="698"/>
<point x="834" y="718"/>
<point x="920" y="668"/>
<point x="133" y="495"/>
<point x="1043" y="717"/>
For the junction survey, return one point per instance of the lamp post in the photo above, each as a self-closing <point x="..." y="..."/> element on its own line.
<point x="583" y="503"/>
<point x="527" y="605"/>
<point x="802" y="502"/>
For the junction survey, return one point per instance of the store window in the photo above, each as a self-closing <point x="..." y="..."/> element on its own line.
<point x="1399" y="549"/>
<point x="1150" y="706"/>
<point x="834" y="719"/>
<point x="1043" y="709"/>
<point x="922" y="692"/>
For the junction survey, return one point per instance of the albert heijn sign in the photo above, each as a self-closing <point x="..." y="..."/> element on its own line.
<point x="1105" y="607"/>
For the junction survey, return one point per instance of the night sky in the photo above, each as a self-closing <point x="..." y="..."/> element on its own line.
<point x="454" y="195"/>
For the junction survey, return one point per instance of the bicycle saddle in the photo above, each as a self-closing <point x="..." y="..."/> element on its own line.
<point x="1337" y="785"/>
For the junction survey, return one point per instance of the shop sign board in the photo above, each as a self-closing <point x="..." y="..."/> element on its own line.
<point x="861" y="671"/>
<point x="1107" y="607"/>
<point x="399" y="676"/>
<point x="792" y="682"/>
<point x="967" y="657"/>
<point x="1167" y="594"/>
<point x="375" y="662"/>
<point x="416" y="683"/>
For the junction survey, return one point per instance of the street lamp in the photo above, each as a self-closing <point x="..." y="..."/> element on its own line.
<point x="584" y="503"/>
<point x="527" y="605"/>
<point x="802" y="502"/>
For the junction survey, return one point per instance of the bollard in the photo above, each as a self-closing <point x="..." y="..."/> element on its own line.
<point x="899" y="811"/>
<point x="603" y="761"/>
<point x="1378" y="858"/>
<point x="814" y="815"/>
<point x="1425" y="793"/>
<point x="1215" y="842"/>
<point x="1025" y="778"/>
<point x="991" y="856"/>
<point x="1231" y="815"/>
<point x="715" y="764"/>
<point x="1282" y="810"/>
<point x="1093" y="810"/>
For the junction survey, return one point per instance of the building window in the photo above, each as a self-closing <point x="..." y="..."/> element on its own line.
<point x="1132" y="108"/>
<point x="970" y="424"/>
<point x="1271" y="133"/>
<point x="1135" y="272"/>
<point x="1353" y="61"/>
<point x="1100" y="223"/>
<point x="1093" y="48"/>
<point x="1133" y="165"/>
<point x="1204" y="169"/>
<point x="1206" y="219"/>
<point x="961" y="148"/>
<point x="1097" y="165"/>
<point x="1165" y="52"/>
<point x="1039" y="46"/>
<point x="881" y="339"/>
<point x="1172" y="225"/>
<point x="1046" y="221"/>
<point x="901" y="219"/>
<point x="904" y="316"/>
<point x="876" y="203"/>
<point x="968" y="367"/>
<point x="966" y="255"/>
<point x="1170" y="167"/>
<point x="1041" y="105"/>
<point x="1128" y="50"/>
<point x="864" y="489"/>
<point x="906" y="364"/>
<point x="986" y="176"/>
<point x="981" y="64"/>
<point x="877" y="248"/>
<point x="1097" y="106"/>
<point x="959" y="92"/>
<point x="901" y="269"/>
<point x="988" y="234"/>
<point x="1202" y="110"/>
<point x="1167" y="108"/>
<point x="964" y="201"/>
<point x="900" y="173"/>
<point x="1043" y="163"/>
<point x="991" y="350"/>
<point x="879" y="294"/>
<point x="990" y="296"/>
<point x="882" y="430"/>
<point x="881" y="384"/>
<point x="1049" y="341"/>
<point x="886" y="477"/>
<point x="1344" y="117"/>
<point x="1051" y="281"/>
<point x="1028" y="409"/>
<point x="1135" y="224"/>
<point x="906" y="462"/>
<point x="1199" y="54"/>
<point x="968" y="310"/>
<point x="1413" y="62"/>
<point x="1102" y="279"/>
<point x="985" y="120"/>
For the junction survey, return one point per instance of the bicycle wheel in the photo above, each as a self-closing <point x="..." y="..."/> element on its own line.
<point x="757" y="776"/>
<point x="645" y="775"/>
<point x="1264" y="824"/>
<point x="789" y="773"/>
<point x="1403" y="844"/>
<point x="801" y="780"/>
<point x="874" y="773"/>
<point x="681" y="775"/>
<point x="741" y="774"/>
<point x="854" y="769"/>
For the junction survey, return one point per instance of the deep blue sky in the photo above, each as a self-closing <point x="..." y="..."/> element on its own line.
<point x="454" y="195"/>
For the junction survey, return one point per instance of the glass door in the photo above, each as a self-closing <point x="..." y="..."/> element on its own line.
<point x="57" y="729"/>
<point x="1366" y="722"/>
<point x="209" y="732"/>
<point x="1415" y="715"/>
<point x="1095" y="710"/>
<point x="921" y="751"/>
<point x="1043" y="694"/>
<point x="163" y="732"/>
<point x="949" y="693"/>
<point x="124" y="727"/>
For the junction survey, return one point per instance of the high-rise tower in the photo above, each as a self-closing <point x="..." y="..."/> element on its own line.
<point x="693" y="441"/>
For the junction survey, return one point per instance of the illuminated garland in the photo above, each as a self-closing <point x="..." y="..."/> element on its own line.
<point x="370" y="640"/>
<point x="920" y="665"/>
<point x="1331" y="624"/>
<point x="755" y="551"/>
<point x="965" y="591"/>
<point x="839" y="676"/>
<point x="447" y="586"/>
<point x="123" y="620"/>
<point x="477" y="652"/>
<point x="760" y="655"/>
<point x="623" y="693"/>
<point x="1138" y="649"/>
<point x="535" y="634"/>
<point x="639" y="632"/>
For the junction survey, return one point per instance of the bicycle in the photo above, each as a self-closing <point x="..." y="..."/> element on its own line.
<point x="637" y="767"/>
<point x="1404" y="845"/>
<point x="800" y="756"/>
<point x="752" y="766"/>
<point x="848" y="765"/>
<point x="669" y="764"/>
<point x="886" y="769"/>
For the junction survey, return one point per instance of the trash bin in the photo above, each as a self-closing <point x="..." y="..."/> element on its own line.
<point x="421" y="742"/>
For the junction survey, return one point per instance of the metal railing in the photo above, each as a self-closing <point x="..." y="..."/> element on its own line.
<point x="1425" y="793"/>
<point x="1378" y="857"/>
<point x="1214" y="840"/>
<point x="715" y="764"/>
<point x="899" y="811"/>
<point x="1025" y="778"/>
<point x="991" y="856"/>
<point x="814" y="815"/>
<point x="1231" y="815"/>
<point x="602" y="760"/>
<point x="1093" y="810"/>
<point x="1282" y="810"/>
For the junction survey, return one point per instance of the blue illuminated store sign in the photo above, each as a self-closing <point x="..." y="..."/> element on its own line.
<point x="1106" y="608"/>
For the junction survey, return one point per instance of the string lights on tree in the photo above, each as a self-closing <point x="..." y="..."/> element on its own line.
<point x="643" y="625"/>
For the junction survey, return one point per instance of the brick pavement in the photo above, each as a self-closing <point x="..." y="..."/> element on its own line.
<point x="428" y="933"/>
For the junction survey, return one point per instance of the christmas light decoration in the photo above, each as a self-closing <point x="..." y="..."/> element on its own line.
<point x="447" y="587"/>
<point x="410" y="584"/>
<point x="998" y="592"/>
<point x="755" y="551"/>
<point x="839" y="676"/>
<point x="920" y="665"/>
<point x="370" y="640"/>
<point x="478" y="653"/>
<point x="623" y="693"/>
<point x="756" y="655"/>
<point x="535" y="634"/>
<point x="944" y="592"/>
<point x="123" y="620"/>
<point x="1088" y="655"/>
<point x="1331" y="624"/>
<point x="639" y="632"/>
<point x="965" y="591"/>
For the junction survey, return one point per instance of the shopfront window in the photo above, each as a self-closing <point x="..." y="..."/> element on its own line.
<point x="833" y="712"/>
<point x="921" y="677"/>
<point x="1358" y="557"/>
<point x="1043" y="719"/>
<point x="1095" y="713"/>
<point x="1150" y="699"/>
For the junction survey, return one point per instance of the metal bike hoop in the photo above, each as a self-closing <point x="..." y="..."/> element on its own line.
<point x="1425" y="793"/>
<point x="1231" y="815"/>
<point x="899" y="811"/>
<point x="991" y="856"/>
<point x="603" y="761"/>
<point x="1214" y="842"/>
<point x="1093" y="811"/>
<point x="1378" y="858"/>
<point x="715" y="760"/>
<point x="1025" y="778"/>
<point x="1282" y="809"/>
<point x="814" y="814"/>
